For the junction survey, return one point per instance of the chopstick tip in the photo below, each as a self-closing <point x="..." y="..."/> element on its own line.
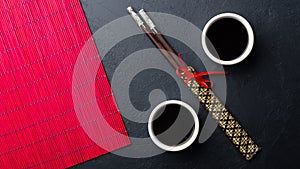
<point x="142" y="10"/>
<point x="129" y="9"/>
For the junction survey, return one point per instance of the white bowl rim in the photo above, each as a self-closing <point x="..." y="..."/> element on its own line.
<point x="250" y="38"/>
<point x="179" y="147"/>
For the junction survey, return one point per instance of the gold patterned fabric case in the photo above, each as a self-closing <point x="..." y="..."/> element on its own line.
<point x="231" y="127"/>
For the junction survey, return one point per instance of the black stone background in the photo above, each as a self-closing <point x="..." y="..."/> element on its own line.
<point x="262" y="90"/>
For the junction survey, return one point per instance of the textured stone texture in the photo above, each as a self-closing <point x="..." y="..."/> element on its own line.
<point x="262" y="91"/>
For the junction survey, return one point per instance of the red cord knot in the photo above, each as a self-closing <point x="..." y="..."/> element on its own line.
<point x="198" y="76"/>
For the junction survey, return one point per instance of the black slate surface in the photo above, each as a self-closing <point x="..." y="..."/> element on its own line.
<point x="262" y="90"/>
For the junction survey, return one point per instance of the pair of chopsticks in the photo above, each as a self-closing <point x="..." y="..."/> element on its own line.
<point x="156" y="37"/>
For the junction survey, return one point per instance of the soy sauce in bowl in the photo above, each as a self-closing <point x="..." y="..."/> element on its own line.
<point x="173" y="125"/>
<point x="228" y="38"/>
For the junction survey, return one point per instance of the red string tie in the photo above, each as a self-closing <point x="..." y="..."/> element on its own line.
<point x="198" y="76"/>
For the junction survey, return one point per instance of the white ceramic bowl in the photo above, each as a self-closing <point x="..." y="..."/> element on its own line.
<point x="250" y="38"/>
<point x="183" y="145"/>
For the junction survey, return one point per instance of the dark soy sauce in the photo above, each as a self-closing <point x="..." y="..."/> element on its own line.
<point x="173" y="125"/>
<point x="228" y="37"/>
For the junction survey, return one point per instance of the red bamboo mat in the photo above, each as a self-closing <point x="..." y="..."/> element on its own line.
<point x="40" y="41"/>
